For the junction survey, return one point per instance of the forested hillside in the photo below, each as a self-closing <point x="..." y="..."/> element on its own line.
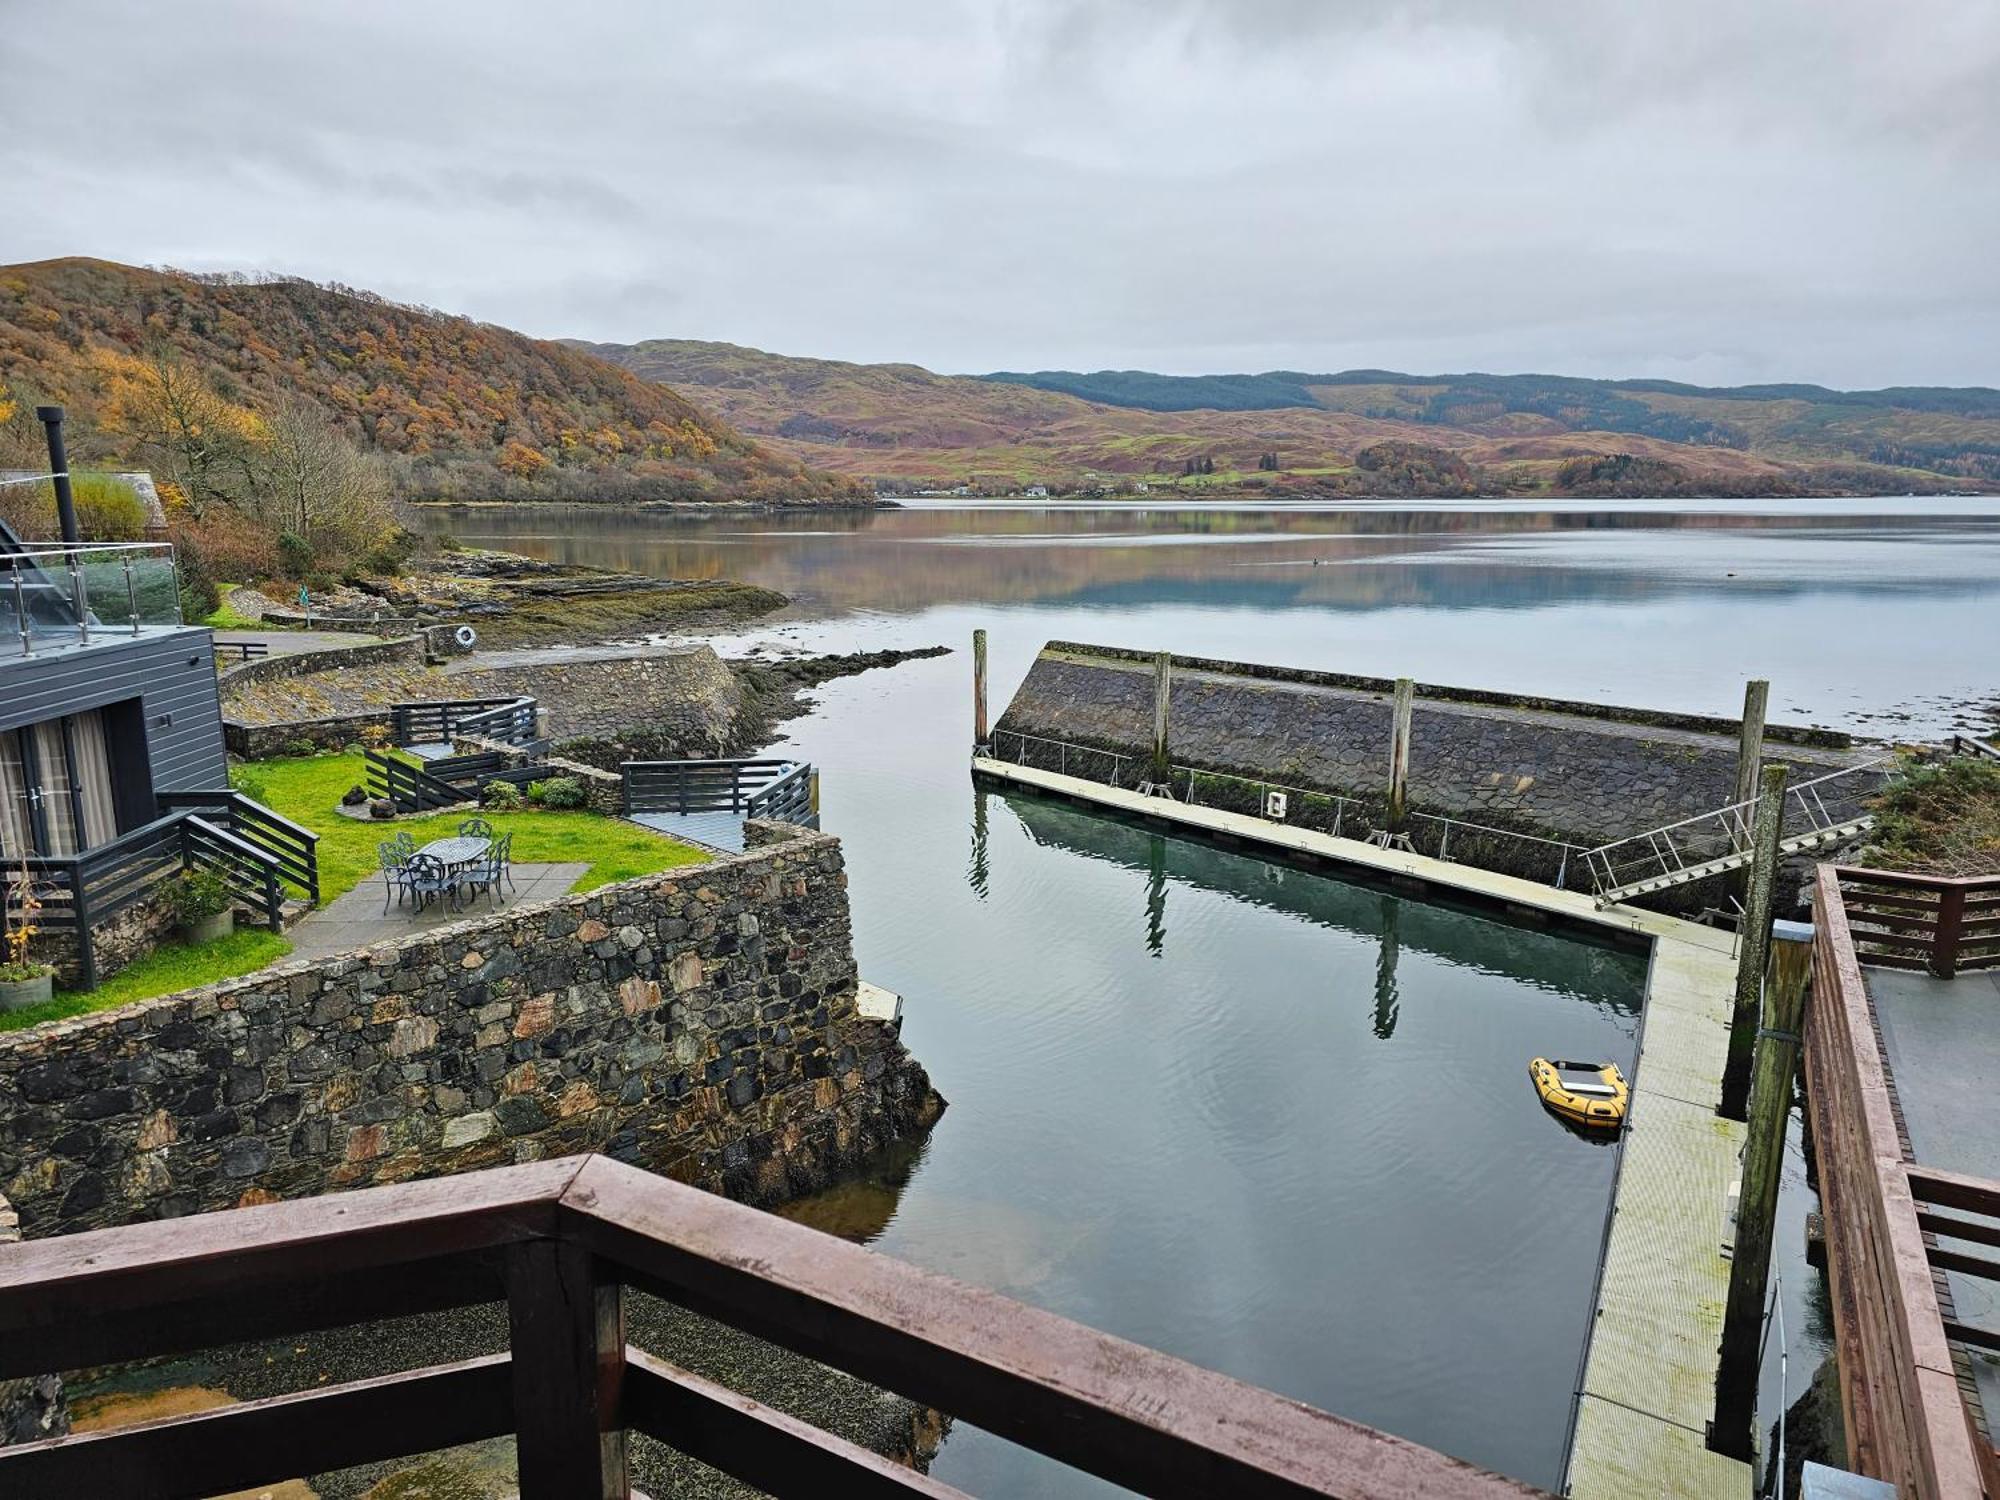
<point x="1359" y="432"/>
<point x="454" y="408"/>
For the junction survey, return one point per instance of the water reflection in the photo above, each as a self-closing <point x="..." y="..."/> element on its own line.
<point x="1385" y="969"/>
<point x="1343" y="559"/>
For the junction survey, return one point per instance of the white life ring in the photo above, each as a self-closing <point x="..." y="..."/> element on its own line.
<point x="465" y="635"/>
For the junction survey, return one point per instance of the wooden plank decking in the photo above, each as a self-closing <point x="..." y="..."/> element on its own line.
<point x="1649" y="1375"/>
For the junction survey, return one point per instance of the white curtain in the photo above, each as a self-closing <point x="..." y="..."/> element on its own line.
<point x="93" y="778"/>
<point x="14" y="840"/>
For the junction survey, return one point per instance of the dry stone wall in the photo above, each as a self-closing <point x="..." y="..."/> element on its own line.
<point x="700" y="1022"/>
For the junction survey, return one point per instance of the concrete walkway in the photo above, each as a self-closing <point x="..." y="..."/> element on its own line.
<point x="356" y="920"/>
<point x="1941" y="1039"/>
<point x="1648" y="1386"/>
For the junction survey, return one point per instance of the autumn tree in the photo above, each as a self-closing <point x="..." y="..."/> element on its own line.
<point x="173" y="413"/>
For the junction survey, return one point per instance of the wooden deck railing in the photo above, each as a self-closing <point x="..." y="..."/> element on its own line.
<point x="1906" y="1422"/>
<point x="558" y="1241"/>
<point x="1931" y="922"/>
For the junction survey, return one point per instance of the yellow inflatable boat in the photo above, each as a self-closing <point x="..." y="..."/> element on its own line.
<point x="1585" y="1093"/>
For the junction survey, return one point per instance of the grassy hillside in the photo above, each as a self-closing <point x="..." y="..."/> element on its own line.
<point x="460" y="409"/>
<point x="1358" y="432"/>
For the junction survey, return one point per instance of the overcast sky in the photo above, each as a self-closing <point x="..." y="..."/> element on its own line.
<point x="1711" y="190"/>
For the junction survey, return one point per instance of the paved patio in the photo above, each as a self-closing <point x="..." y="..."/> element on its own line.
<point x="356" y="920"/>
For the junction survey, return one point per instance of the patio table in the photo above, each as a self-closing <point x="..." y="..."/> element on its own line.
<point x="455" y="854"/>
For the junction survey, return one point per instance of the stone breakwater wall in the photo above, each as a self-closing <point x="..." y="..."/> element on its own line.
<point x="688" y="694"/>
<point x="700" y="1022"/>
<point x="1582" y="773"/>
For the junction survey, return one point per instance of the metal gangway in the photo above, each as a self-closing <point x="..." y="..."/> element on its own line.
<point x="1828" y="810"/>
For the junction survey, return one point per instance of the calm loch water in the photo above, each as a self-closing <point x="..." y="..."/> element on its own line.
<point x="1272" y="1122"/>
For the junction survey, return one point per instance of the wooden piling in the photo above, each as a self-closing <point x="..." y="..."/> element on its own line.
<point x="1753" y="942"/>
<point x="1163" y="692"/>
<point x="1399" y="754"/>
<point x="1734" y="1429"/>
<point x="1749" y="761"/>
<point x="979" y="734"/>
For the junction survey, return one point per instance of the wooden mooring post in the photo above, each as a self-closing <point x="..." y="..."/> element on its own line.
<point x="1753" y="943"/>
<point x="1163" y="692"/>
<point x="1734" y="1429"/>
<point x="1749" y="761"/>
<point x="979" y="732"/>
<point x="1399" y="754"/>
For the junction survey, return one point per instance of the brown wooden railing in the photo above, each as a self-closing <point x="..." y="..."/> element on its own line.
<point x="1906" y="1422"/>
<point x="558" y="1241"/>
<point x="1931" y="922"/>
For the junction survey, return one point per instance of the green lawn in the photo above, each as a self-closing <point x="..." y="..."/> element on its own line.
<point x="306" y="789"/>
<point x="167" y="969"/>
<point x="225" y="618"/>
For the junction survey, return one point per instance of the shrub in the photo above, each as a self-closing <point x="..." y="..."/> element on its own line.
<point x="1942" y="819"/>
<point x="195" y="895"/>
<point x="295" y="554"/>
<point x="502" y="796"/>
<point x="250" y="784"/>
<point x="108" y="509"/>
<point x="559" y="792"/>
<point x="199" y="596"/>
<point x="301" y="746"/>
<point x="233" y="544"/>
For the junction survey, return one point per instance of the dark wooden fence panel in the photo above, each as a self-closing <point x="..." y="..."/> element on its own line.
<point x="569" y="1236"/>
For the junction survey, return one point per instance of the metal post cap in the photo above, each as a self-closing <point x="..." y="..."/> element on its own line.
<point x="49" y="413"/>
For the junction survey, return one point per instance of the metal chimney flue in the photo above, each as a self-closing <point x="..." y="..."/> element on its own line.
<point x="52" y="420"/>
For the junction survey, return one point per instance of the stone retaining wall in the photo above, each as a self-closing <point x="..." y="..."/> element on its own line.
<point x="1582" y="773"/>
<point x="31" y="1406"/>
<point x="278" y="666"/>
<point x="268" y="741"/>
<point x="701" y="1022"/>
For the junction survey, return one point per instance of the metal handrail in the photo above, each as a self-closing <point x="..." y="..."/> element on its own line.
<point x="1264" y="786"/>
<point x="59" y="574"/>
<point x="1672" y="849"/>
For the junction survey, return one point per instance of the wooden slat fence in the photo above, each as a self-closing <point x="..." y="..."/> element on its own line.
<point x="1906" y="1422"/>
<point x="560" y="1241"/>
<point x="1928" y="922"/>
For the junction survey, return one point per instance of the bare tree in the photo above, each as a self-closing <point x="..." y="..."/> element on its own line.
<point x="317" y="485"/>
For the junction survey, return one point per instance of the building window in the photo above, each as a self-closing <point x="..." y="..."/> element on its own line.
<point x="56" y="791"/>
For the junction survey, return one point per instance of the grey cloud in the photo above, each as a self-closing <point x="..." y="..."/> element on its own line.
<point x="1796" y="189"/>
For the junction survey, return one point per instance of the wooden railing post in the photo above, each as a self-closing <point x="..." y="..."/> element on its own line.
<point x="567" y="1329"/>
<point x="1950" y="929"/>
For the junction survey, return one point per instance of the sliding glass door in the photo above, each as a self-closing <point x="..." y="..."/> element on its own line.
<point x="56" y="794"/>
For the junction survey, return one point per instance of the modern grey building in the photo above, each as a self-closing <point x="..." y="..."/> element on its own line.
<point x="112" y="770"/>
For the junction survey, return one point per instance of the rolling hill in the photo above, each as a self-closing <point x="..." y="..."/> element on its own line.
<point x="1356" y="432"/>
<point x="461" y="409"/>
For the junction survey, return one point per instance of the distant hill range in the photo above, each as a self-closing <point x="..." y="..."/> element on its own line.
<point x="1358" y="432"/>
<point x="460" y="409"/>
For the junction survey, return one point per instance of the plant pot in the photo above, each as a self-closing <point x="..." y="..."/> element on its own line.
<point x="19" y="994"/>
<point x="208" y="929"/>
